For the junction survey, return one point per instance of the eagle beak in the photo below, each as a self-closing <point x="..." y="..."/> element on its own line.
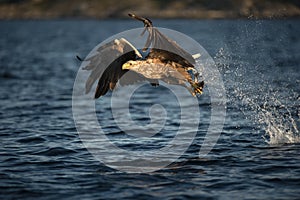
<point x="126" y="66"/>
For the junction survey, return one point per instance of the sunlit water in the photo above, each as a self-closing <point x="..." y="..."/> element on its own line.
<point x="257" y="155"/>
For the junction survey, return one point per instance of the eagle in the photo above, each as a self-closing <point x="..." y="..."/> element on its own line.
<point x="172" y="66"/>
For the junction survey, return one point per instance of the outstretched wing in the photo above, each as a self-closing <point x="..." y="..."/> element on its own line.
<point x="106" y="65"/>
<point x="166" y="49"/>
<point x="162" y="47"/>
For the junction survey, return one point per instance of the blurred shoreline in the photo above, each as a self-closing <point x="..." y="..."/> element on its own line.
<point x="167" y="9"/>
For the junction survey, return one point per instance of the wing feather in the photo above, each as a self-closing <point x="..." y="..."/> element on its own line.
<point x="106" y="65"/>
<point x="166" y="49"/>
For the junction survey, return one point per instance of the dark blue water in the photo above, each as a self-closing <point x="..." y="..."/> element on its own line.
<point x="256" y="156"/>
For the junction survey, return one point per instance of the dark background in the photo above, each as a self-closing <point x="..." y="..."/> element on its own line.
<point x="49" y="9"/>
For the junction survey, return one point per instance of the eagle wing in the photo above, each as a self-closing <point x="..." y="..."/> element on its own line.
<point x="174" y="57"/>
<point x="166" y="49"/>
<point x="158" y="43"/>
<point x="106" y="65"/>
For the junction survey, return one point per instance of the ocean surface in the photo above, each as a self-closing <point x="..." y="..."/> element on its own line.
<point x="42" y="155"/>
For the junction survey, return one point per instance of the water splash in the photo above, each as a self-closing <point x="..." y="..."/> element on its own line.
<point x="264" y="99"/>
<point x="281" y="126"/>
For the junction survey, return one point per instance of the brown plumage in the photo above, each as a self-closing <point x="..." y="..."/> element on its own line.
<point x="173" y="66"/>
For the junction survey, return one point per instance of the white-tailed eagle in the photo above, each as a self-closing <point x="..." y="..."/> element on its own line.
<point x="165" y="61"/>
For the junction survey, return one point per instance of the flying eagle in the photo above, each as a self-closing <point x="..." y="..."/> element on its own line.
<point x="173" y="66"/>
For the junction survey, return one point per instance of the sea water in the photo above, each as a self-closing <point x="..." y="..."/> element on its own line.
<point x="257" y="153"/>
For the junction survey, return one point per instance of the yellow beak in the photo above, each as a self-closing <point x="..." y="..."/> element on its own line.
<point x="126" y="66"/>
